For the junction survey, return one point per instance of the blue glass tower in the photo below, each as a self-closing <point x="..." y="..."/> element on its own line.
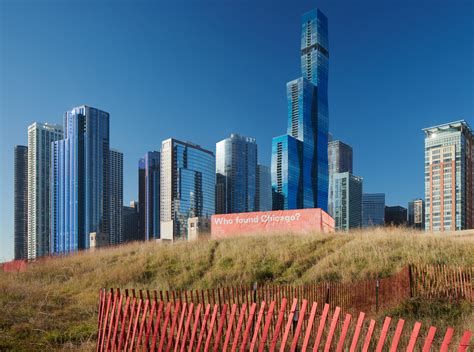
<point x="80" y="180"/>
<point x="299" y="158"/>
<point x="149" y="196"/>
<point x="236" y="175"/>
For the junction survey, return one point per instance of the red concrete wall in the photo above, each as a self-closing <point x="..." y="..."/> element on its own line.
<point x="13" y="266"/>
<point x="296" y="221"/>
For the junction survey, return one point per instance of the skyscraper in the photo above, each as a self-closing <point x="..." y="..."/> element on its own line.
<point x="20" y="203"/>
<point x="130" y="222"/>
<point x="373" y="209"/>
<point x="187" y="186"/>
<point x="236" y="174"/>
<point x="300" y="158"/>
<point x="264" y="188"/>
<point x="346" y="201"/>
<point x="395" y="216"/>
<point x="449" y="172"/>
<point x="80" y="180"/>
<point x="416" y="214"/>
<point x="339" y="161"/>
<point x="116" y="197"/>
<point x="149" y="196"/>
<point x="40" y="136"/>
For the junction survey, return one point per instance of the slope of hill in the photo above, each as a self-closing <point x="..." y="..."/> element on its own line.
<point x="53" y="304"/>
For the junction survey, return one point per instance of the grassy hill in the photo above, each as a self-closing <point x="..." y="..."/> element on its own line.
<point x="53" y="304"/>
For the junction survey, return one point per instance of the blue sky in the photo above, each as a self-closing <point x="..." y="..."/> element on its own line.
<point x="200" y="70"/>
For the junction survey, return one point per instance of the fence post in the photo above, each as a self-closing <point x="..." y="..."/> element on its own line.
<point x="410" y="279"/>
<point x="377" y="283"/>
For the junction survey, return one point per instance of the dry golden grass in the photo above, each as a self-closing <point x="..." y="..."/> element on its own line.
<point x="53" y="304"/>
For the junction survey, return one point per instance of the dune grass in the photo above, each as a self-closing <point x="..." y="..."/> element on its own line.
<point x="53" y="304"/>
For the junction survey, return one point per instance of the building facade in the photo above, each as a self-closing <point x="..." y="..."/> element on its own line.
<point x="187" y="186"/>
<point x="395" y="216"/>
<point x="416" y="214"/>
<point x="300" y="158"/>
<point x="264" y="188"/>
<point x="236" y="175"/>
<point x="40" y="137"/>
<point x="373" y="209"/>
<point x="339" y="161"/>
<point x="149" y="195"/>
<point x="20" y="202"/>
<point x="80" y="180"/>
<point x="116" y="197"/>
<point x="347" y="201"/>
<point x="449" y="192"/>
<point x="130" y="222"/>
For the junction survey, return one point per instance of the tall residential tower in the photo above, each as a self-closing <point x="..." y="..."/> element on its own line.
<point x="149" y="196"/>
<point x="116" y="197"/>
<point x="20" y="202"/>
<point x="40" y="137"/>
<point x="80" y="185"/>
<point x="449" y="172"/>
<point x="299" y="158"/>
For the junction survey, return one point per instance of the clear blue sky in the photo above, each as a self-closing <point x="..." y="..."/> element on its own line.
<point x="200" y="70"/>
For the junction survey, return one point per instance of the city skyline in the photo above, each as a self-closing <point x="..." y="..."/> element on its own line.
<point x="247" y="127"/>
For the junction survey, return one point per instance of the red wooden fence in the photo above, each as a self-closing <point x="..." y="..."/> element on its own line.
<point x="129" y="323"/>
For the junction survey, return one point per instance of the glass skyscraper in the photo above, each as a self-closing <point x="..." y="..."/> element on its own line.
<point x="236" y="175"/>
<point x="346" y="201"/>
<point x="116" y="197"/>
<point x="20" y="203"/>
<point x="373" y="209"/>
<point x="149" y="196"/>
<point x="339" y="161"/>
<point x="449" y="172"/>
<point x="40" y="137"/>
<point x="299" y="158"/>
<point x="188" y="174"/>
<point x="416" y="213"/>
<point x="80" y="180"/>
<point x="264" y="188"/>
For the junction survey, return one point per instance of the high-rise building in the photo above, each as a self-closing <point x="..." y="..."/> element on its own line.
<point x="116" y="197"/>
<point x="149" y="196"/>
<point x="80" y="180"/>
<point x="40" y="136"/>
<point x="264" y="188"/>
<point x="187" y="186"/>
<point x="449" y="191"/>
<point x="395" y="216"/>
<point x="416" y="214"/>
<point x="130" y="222"/>
<point x="373" y="209"/>
<point x="339" y="157"/>
<point x="20" y="203"/>
<point x="300" y="158"/>
<point x="236" y="175"/>
<point x="347" y="201"/>
<point x="339" y="161"/>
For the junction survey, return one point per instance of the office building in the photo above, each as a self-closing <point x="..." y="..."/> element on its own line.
<point x="449" y="192"/>
<point x="236" y="175"/>
<point x="347" y="201"/>
<point x="116" y="197"/>
<point x="40" y="136"/>
<point x="20" y="202"/>
<point x="80" y="180"/>
<point x="416" y="214"/>
<point x="264" y="188"/>
<point x="373" y="209"/>
<point x="149" y="196"/>
<point x="395" y="216"/>
<point x="339" y="161"/>
<point x="188" y="180"/>
<point x="300" y="158"/>
<point x="130" y="222"/>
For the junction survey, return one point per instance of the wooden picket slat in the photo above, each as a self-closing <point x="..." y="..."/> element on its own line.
<point x="447" y="340"/>
<point x="332" y="329"/>
<point x="355" y="338"/>
<point x="414" y="337"/>
<point x="396" y="337"/>
<point x="368" y="336"/>
<point x="464" y="343"/>
<point x="342" y="338"/>
<point x="429" y="339"/>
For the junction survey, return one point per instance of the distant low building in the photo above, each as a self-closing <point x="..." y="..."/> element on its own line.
<point x="416" y="214"/>
<point x="373" y="209"/>
<point x="395" y="216"/>
<point x="98" y="240"/>
<point x="198" y="227"/>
